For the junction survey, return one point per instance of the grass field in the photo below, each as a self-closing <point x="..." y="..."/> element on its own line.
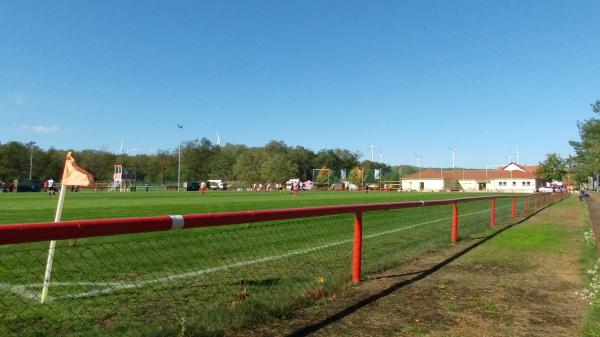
<point x="211" y="280"/>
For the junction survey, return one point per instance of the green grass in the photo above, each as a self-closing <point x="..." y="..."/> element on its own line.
<point x="205" y="282"/>
<point x="39" y="207"/>
<point x="541" y="235"/>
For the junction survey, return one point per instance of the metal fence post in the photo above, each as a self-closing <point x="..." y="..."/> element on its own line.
<point x="514" y="208"/>
<point x="357" y="247"/>
<point x="493" y="213"/>
<point x="543" y="196"/>
<point x="454" y="234"/>
<point x="526" y="203"/>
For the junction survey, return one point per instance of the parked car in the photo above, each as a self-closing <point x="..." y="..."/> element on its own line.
<point x="546" y="189"/>
<point x="217" y="184"/>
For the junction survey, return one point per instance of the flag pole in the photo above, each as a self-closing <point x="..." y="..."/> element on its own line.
<point x="61" y="200"/>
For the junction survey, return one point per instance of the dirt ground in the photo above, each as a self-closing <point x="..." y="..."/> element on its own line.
<point x="593" y="204"/>
<point x="471" y="289"/>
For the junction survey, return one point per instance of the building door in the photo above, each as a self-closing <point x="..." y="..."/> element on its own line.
<point x="482" y="186"/>
<point x="421" y="185"/>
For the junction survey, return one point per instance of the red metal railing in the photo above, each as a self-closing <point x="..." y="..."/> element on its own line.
<point x="46" y="231"/>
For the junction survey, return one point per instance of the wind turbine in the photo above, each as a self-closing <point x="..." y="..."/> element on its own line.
<point x="418" y="160"/>
<point x="372" y="152"/>
<point x="517" y="153"/>
<point x="218" y="138"/>
<point x="453" y="149"/>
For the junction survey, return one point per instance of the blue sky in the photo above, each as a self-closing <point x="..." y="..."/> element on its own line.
<point x="408" y="77"/>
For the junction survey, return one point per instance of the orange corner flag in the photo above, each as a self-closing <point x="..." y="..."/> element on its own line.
<point x="75" y="175"/>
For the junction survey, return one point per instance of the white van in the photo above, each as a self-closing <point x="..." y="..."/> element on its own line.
<point x="217" y="184"/>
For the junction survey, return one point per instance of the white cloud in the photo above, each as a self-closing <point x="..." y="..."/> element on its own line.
<point x="18" y="99"/>
<point x="41" y="128"/>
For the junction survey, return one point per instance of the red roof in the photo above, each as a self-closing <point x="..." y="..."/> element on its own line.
<point x="530" y="168"/>
<point x="469" y="174"/>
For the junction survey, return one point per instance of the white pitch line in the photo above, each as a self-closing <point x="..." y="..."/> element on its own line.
<point x="20" y="290"/>
<point x="114" y="286"/>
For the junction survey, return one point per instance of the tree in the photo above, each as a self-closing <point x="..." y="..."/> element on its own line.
<point x="553" y="168"/>
<point x="587" y="149"/>
<point x="277" y="168"/>
<point x="356" y="176"/>
<point x="196" y="157"/>
<point x="14" y="161"/>
<point x="247" y="166"/>
<point x="324" y="176"/>
<point x="98" y="163"/>
<point x="223" y="161"/>
<point x="304" y="160"/>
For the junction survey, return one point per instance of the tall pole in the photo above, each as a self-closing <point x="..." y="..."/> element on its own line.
<point x="179" y="126"/>
<point x="452" y="148"/>
<point x="32" y="143"/>
<point x="372" y="152"/>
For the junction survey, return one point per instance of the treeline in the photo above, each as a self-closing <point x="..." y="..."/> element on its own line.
<point x="202" y="160"/>
<point x="586" y="162"/>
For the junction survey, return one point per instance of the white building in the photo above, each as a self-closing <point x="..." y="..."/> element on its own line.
<point x="512" y="178"/>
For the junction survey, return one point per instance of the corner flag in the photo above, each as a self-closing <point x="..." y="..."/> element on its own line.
<point x="72" y="175"/>
<point x="75" y="175"/>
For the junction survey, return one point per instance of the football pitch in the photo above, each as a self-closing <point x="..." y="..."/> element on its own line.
<point x="208" y="281"/>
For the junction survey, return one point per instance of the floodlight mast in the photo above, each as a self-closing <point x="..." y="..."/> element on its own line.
<point x="418" y="164"/>
<point x="179" y="126"/>
<point x="32" y="143"/>
<point x="453" y="149"/>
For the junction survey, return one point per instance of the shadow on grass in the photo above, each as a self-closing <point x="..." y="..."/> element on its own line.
<point x="307" y="330"/>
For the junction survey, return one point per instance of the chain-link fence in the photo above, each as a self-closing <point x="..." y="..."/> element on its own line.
<point x="205" y="281"/>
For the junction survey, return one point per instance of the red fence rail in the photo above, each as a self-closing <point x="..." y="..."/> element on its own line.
<point x="46" y="231"/>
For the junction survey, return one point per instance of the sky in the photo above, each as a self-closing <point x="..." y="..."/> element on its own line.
<point x="410" y="77"/>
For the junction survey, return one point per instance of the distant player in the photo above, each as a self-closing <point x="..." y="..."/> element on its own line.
<point x="203" y="187"/>
<point x="51" y="187"/>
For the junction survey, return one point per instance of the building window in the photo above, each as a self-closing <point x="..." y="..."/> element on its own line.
<point x="514" y="183"/>
<point x="522" y="183"/>
<point x="529" y="183"/>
